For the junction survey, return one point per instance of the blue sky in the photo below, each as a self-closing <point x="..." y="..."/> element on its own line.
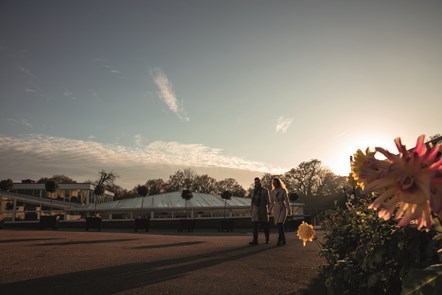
<point x="229" y="88"/>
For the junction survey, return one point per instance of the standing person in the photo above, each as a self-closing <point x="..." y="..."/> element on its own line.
<point x="259" y="206"/>
<point x="279" y="207"/>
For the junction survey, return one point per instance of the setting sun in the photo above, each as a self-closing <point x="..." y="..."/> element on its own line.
<point x="339" y="157"/>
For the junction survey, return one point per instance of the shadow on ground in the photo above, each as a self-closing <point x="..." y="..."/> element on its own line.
<point x="119" y="278"/>
<point x="84" y="242"/>
<point x="169" y="245"/>
<point x="26" y="240"/>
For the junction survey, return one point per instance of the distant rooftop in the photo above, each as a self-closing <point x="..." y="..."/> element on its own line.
<point x="173" y="200"/>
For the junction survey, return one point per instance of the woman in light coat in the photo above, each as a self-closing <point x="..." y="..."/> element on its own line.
<point x="279" y="207"/>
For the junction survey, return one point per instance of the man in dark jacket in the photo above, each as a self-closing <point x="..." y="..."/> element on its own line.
<point x="260" y="201"/>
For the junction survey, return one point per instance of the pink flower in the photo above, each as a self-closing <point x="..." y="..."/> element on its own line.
<point x="408" y="181"/>
<point x="436" y="193"/>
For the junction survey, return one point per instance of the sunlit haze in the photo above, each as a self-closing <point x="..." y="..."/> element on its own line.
<point x="228" y="88"/>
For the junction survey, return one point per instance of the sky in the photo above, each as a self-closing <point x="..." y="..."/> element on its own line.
<point x="228" y="88"/>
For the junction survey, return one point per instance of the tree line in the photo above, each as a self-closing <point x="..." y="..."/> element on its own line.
<point x="310" y="181"/>
<point x="316" y="186"/>
<point x="180" y="180"/>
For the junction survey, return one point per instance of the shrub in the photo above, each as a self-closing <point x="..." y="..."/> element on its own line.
<point x="367" y="255"/>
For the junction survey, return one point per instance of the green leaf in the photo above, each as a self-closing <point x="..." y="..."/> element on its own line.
<point x="426" y="281"/>
<point x="378" y="255"/>
<point x="373" y="280"/>
<point x="401" y="244"/>
<point x="437" y="237"/>
<point x="437" y="225"/>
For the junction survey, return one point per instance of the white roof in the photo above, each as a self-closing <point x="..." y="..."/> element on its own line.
<point x="174" y="200"/>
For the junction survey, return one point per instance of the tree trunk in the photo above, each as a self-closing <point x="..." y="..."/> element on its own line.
<point x="95" y="205"/>
<point x="50" y="196"/>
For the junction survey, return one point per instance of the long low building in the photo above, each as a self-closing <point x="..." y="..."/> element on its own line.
<point x="66" y="192"/>
<point x="173" y="206"/>
<point x="29" y="203"/>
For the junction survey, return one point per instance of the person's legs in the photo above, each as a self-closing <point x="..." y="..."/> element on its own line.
<point x="281" y="236"/>
<point x="255" y="234"/>
<point x="265" y="225"/>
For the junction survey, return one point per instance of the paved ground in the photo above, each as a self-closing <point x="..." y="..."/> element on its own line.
<point x="78" y="262"/>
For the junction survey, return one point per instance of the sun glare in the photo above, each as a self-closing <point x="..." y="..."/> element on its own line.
<point x="338" y="159"/>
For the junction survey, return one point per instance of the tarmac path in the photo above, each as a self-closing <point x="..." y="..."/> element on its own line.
<point x="77" y="262"/>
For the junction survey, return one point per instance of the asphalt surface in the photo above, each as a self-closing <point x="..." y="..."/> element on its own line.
<point x="78" y="262"/>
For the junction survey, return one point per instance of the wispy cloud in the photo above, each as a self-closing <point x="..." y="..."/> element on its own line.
<point x="167" y="94"/>
<point x="105" y="63"/>
<point x="91" y="136"/>
<point x="34" y="86"/>
<point x="63" y="155"/>
<point x="27" y="71"/>
<point x="138" y="139"/>
<point x="24" y="122"/>
<point x="282" y="124"/>
<point x="20" y="121"/>
<point x="69" y="94"/>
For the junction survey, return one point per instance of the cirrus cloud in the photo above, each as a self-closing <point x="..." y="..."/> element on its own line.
<point x="167" y="94"/>
<point x="48" y="155"/>
<point x="20" y="121"/>
<point x="282" y="124"/>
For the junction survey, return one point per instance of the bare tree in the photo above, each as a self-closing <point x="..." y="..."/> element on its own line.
<point x="155" y="186"/>
<point x="232" y="185"/>
<point x="106" y="178"/>
<point x="330" y="184"/>
<point x="266" y="180"/>
<point x="119" y="192"/>
<point x="318" y="187"/>
<point x="305" y="179"/>
<point x="182" y="179"/>
<point x="204" y="184"/>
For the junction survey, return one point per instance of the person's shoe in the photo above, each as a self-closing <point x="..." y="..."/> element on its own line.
<point x="279" y="242"/>
<point x="253" y="243"/>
